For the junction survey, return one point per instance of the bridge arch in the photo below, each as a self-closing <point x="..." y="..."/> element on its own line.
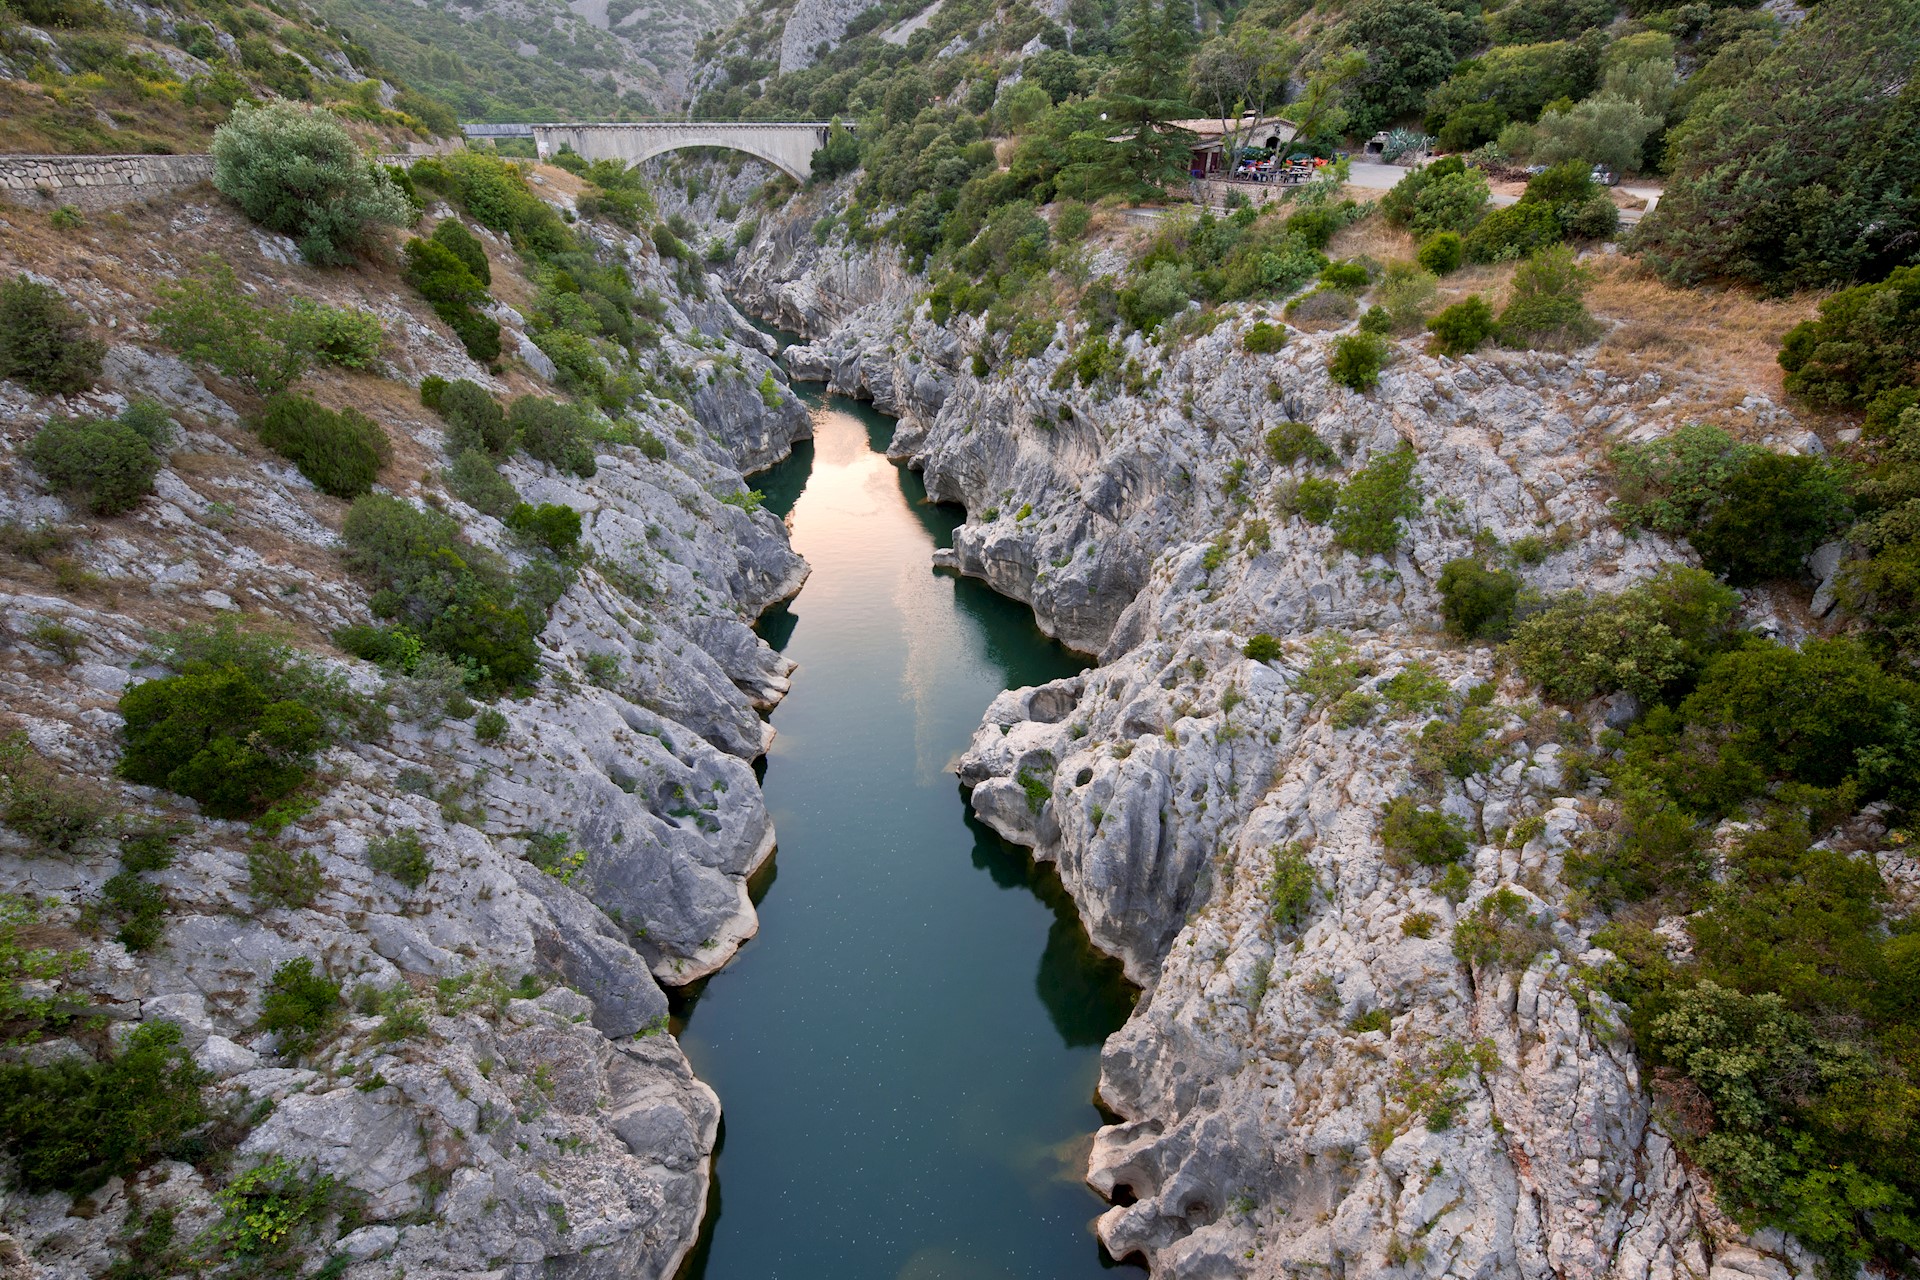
<point x="787" y="147"/>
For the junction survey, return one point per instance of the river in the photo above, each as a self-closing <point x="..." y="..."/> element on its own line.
<point x="907" y="1054"/>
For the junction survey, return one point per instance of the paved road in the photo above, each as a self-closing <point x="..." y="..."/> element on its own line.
<point x="1385" y="177"/>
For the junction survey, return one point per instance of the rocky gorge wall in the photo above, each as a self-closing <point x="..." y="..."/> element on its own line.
<point x="480" y="1126"/>
<point x="1273" y="1080"/>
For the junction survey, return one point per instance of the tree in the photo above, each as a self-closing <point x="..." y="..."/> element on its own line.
<point x="841" y="154"/>
<point x="1808" y="172"/>
<point x="1606" y="129"/>
<point x="1241" y="77"/>
<point x="1410" y="46"/>
<point x="1148" y="90"/>
<point x="295" y="170"/>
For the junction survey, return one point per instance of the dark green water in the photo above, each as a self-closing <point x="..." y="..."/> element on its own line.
<point x="907" y="1053"/>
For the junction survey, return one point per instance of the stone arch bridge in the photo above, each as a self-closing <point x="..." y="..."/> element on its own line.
<point x="787" y="147"/>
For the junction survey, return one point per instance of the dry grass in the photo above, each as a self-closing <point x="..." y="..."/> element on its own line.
<point x="1373" y="238"/>
<point x="1725" y="338"/>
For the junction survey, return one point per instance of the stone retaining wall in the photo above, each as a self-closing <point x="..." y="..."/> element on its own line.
<point x="92" y="182"/>
<point x="96" y="182"/>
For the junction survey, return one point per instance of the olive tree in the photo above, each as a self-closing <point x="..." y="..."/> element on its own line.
<point x="295" y="169"/>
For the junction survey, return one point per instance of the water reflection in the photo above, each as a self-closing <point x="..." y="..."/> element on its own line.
<point x="908" y="1051"/>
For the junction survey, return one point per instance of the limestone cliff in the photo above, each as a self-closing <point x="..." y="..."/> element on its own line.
<point x="481" y="1124"/>
<point x="1328" y="1086"/>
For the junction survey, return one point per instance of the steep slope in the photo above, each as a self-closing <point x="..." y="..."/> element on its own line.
<point x="1316" y="1077"/>
<point x="499" y="1090"/>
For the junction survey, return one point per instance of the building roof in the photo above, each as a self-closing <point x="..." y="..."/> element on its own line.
<point x="1209" y="129"/>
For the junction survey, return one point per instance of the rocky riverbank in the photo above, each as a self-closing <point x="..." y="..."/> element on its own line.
<point x="1320" y="1077"/>
<point x="501" y="1097"/>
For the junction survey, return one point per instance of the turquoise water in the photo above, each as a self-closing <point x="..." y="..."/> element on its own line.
<point x="907" y="1053"/>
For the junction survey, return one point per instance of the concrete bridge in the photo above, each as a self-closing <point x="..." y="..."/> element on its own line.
<point x="787" y="147"/>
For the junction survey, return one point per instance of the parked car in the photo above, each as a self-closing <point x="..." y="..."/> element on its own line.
<point x="1605" y="176"/>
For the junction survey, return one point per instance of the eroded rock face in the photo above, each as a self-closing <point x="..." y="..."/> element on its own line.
<point x="1344" y="1091"/>
<point x="480" y="1132"/>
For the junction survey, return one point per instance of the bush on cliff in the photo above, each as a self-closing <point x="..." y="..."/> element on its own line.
<point x="458" y="598"/>
<point x="1477" y="602"/>
<point x="106" y="464"/>
<point x="75" y="1122"/>
<point x="1647" y="640"/>
<point x="340" y="451"/>
<point x="236" y="727"/>
<point x="43" y="341"/>
<point x="294" y="169"/>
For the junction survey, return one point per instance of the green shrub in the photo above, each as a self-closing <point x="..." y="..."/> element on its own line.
<point x="105" y="464"/>
<point x="551" y="852"/>
<point x="651" y="446"/>
<point x="295" y="170"/>
<point x="1372" y="504"/>
<point x="29" y="1000"/>
<point x="550" y="525"/>
<point x="43" y="341"/>
<point x="489" y="726"/>
<point x="1347" y="277"/>
<point x="1371" y="1020"/>
<point x="1501" y="931"/>
<point x="1264" y="338"/>
<point x="456" y="597"/>
<point x="1646" y="640"/>
<point x="1316" y="498"/>
<point x="1376" y="320"/>
<point x="342" y="336"/>
<point x="299" y="1004"/>
<point x="393" y="647"/>
<point x="340" y="451"/>
<point x="475" y="480"/>
<point x="443" y="278"/>
<point x="1477" y="602"/>
<point x="464" y="245"/>
<point x="268" y="1216"/>
<point x="1263" y="648"/>
<point x="1774" y="511"/>
<point x="1441" y="252"/>
<point x="474" y="420"/>
<point x="287" y="879"/>
<point x="1823" y="715"/>
<point x="1444" y="196"/>
<point x="1670" y="484"/>
<point x="432" y="387"/>
<point x="401" y="856"/>
<point x="1423" y="836"/>
<point x="57" y="812"/>
<point x="1291" y="886"/>
<point x="1406" y="293"/>
<point x="1513" y="232"/>
<point x="74" y="1123"/>
<point x="1290" y="442"/>
<point x="1463" y="327"/>
<point x="1545" y="306"/>
<point x="1865" y="342"/>
<point x="139" y="907"/>
<point x="1750" y="513"/>
<point x="1357" y="359"/>
<point x="148" y="419"/>
<point x="237" y="726"/>
<point x="554" y="433"/>
<point x="209" y="319"/>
